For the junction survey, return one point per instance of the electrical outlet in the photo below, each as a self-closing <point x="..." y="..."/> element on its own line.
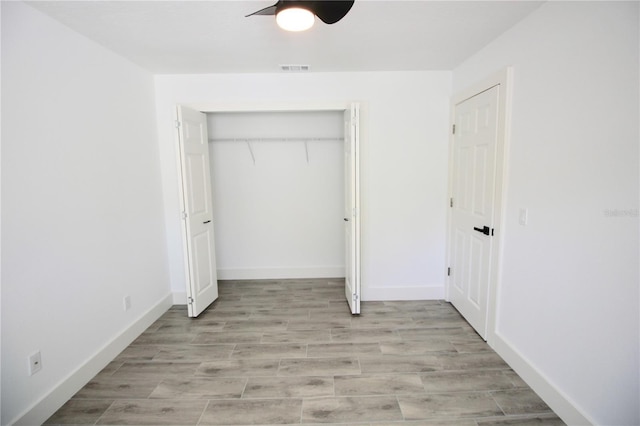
<point x="35" y="363"/>
<point x="126" y="302"/>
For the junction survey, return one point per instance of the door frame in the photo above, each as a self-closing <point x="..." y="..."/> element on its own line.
<point x="504" y="79"/>
<point x="280" y="106"/>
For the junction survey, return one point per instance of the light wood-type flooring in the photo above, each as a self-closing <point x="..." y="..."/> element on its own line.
<point x="289" y="352"/>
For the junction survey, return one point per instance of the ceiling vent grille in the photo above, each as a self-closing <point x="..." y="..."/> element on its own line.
<point x="294" y="68"/>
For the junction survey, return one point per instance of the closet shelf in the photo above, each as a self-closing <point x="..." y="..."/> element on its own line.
<point x="249" y="141"/>
<point x="300" y="139"/>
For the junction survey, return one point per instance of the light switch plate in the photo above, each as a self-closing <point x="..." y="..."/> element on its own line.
<point x="524" y="216"/>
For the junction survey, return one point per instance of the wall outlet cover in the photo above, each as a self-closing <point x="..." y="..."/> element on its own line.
<point x="35" y="363"/>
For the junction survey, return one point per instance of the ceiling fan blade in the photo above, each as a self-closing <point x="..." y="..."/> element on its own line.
<point x="331" y="11"/>
<point x="271" y="10"/>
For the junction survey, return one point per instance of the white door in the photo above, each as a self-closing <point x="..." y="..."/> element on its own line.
<point x="352" y="207"/>
<point x="197" y="211"/>
<point x="472" y="204"/>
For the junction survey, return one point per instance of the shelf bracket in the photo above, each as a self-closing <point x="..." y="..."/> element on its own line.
<point x="253" y="157"/>
<point x="306" y="149"/>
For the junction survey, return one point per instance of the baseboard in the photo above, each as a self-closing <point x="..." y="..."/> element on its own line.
<point x="559" y="402"/>
<point x="281" y="273"/>
<point x="60" y="394"/>
<point x="434" y="292"/>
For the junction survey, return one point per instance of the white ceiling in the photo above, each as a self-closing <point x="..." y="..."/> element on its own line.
<point x="168" y="37"/>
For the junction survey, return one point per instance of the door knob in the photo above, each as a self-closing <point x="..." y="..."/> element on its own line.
<point x="485" y="230"/>
<point x="346" y="220"/>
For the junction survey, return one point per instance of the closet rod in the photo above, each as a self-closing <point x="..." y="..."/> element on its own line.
<point x="275" y="139"/>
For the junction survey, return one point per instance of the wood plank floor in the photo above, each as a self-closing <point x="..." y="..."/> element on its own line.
<point x="289" y="352"/>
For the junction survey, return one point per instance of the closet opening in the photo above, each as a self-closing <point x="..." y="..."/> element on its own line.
<point x="278" y="193"/>
<point x="269" y="195"/>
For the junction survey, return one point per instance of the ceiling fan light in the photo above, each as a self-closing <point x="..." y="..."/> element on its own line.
<point x="295" y="19"/>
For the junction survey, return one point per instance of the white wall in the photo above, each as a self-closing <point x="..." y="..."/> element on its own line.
<point x="280" y="217"/>
<point x="82" y="221"/>
<point x="404" y="162"/>
<point x="568" y="301"/>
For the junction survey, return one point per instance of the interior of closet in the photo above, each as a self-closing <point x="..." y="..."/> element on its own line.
<point x="278" y="193"/>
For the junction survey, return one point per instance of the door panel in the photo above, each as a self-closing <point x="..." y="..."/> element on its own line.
<point x="197" y="184"/>
<point x="477" y="268"/>
<point x="203" y="265"/>
<point x="479" y="181"/>
<point x="474" y="162"/>
<point x="463" y="169"/>
<point x="202" y="282"/>
<point x="459" y="254"/>
<point x="352" y="207"/>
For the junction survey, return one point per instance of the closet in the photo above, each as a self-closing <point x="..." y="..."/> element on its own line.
<point x="278" y="194"/>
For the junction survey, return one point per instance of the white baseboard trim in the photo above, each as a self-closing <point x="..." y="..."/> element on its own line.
<point x="559" y="402"/>
<point x="377" y="294"/>
<point x="281" y="273"/>
<point x="39" y="412"/>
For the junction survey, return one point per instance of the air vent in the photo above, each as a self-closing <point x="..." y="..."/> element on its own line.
<point x="294" y="68"/>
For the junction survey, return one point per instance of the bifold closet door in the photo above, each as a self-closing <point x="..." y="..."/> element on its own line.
<point x="352" y="207"/>
<point x="197" y="211"/>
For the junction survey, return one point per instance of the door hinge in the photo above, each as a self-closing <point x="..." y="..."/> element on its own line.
<point x="450" y="202"/>
<point x="449" y="271"/>
<point x="190" y="300"/>
<point x="355" y="296"/>
<point x="183" y="215"/>
<point x="453" y="129"/>
<point x="178" y="124"/>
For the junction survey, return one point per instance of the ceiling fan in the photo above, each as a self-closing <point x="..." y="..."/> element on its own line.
<point x="299" y="15"/>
